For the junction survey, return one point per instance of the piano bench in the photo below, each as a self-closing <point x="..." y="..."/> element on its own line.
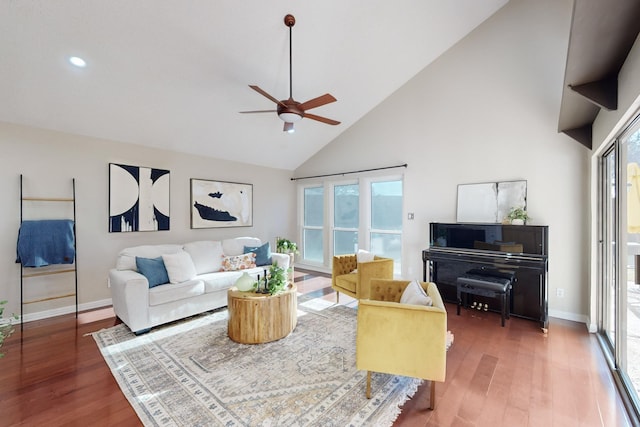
<point x="487" y="286"/>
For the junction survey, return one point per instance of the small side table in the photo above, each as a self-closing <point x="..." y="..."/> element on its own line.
<point x="259" y="318"/>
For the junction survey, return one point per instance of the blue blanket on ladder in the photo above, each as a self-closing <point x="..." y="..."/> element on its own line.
<point x="46" y="242"/>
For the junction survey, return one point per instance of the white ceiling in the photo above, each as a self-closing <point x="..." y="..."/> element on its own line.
<point x="174" y="74"/>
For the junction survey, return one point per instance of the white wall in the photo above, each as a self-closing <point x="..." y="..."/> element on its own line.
<point x="48" y="160"/>
<point x="486" y="110"/>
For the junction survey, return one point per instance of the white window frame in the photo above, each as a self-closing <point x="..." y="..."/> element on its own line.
<point x="364" y="230"/>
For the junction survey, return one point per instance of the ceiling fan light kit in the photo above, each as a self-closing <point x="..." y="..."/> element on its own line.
<point x="289" y="110"/>
<point x="288" y="127"/>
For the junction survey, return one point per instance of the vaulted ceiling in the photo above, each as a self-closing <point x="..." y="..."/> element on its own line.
<point x="174" y="74"/>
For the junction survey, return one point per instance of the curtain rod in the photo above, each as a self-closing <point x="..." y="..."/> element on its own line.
<point x="346" y="173"/>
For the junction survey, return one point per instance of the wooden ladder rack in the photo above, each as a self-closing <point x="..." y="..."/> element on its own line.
<point x="25" y="275"/>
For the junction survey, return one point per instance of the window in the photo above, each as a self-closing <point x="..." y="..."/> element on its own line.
<point x="346" y="217"/>
<point x="360" y="214"/>
<point x="386" y="221"/>
<point x="313" y="223"/>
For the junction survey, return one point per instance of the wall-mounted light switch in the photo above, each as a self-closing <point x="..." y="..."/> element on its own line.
<point x="410" y="215"/>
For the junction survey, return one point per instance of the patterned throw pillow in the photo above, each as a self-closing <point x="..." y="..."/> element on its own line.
<point x="238" y="262"/>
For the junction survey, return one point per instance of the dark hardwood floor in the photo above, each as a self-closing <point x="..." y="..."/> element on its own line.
<point x="53" y="374"/>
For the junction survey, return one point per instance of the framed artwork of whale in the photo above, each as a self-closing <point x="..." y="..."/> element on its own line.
<point x="217" y="204"/>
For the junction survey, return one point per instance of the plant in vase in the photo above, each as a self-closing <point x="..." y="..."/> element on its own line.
<point x="275" y="281"/>
<point x="518" y="216"/>
<point x="285" y="246"/>
<point x="6" y="325"/>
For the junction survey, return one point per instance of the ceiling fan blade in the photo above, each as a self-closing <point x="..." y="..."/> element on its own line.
<point x="321" y="119"/>
<point x="259" y="111"/>
<point x="266" y="95"/>
<point x="317" y="102"/>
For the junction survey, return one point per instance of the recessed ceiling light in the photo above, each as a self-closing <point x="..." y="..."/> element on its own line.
<point x="78" y="62"/>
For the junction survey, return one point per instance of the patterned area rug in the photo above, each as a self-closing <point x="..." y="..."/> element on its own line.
<point x="192" y="374"/>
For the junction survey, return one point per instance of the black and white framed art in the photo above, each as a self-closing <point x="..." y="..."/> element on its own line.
<point x="138" y="198"/>
<point x="216" y="204"/>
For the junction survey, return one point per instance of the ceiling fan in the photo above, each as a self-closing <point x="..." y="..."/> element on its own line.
<point x="290" y="110"/>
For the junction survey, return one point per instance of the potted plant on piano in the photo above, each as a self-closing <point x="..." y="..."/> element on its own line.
<point x="518" y="216"/>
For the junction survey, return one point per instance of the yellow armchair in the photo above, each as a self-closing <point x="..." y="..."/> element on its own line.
<point x="356" y="285"/>
<point x="401" y="339"/>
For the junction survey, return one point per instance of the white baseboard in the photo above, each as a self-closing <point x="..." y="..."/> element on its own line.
<point x="580" y="318"/>
<point x="30" y="317"/>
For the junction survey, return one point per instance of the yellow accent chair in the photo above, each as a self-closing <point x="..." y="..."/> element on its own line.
<point x="401" y="339"/>
<point x="352" y="278"/>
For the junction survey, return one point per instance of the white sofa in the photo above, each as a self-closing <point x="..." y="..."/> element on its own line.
<point x="141" y="307"/>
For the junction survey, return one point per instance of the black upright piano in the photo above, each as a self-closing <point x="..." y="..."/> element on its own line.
<point x="456" y="248"/>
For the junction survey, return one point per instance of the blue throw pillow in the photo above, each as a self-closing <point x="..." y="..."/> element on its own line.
<point x="263" y="253"/>
<point x="153" y="269"/>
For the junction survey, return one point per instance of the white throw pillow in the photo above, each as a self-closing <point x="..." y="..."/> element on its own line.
<point x="364" y="256"/>
<point x="206" y="255"/>
<point x="127" y="257"/>
<point x="179" y="267"/>
<point x="414" y="294"/>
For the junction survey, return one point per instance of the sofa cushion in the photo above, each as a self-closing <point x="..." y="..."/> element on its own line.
<point x="347" y="281"/>
<point x="239" y="262"/>
<point x="179" y="267"/>
<point x="127" y="257"/>
<point x="167" y="293"/>
<point x="232" y="247"/>
<point x="153" y="269"/>
<point x="206" y="255"/>
<point x="223" y="280"/>
<point x="263" y="253"/>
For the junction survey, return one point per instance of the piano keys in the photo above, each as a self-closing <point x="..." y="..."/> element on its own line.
<point x="456" y="248"/>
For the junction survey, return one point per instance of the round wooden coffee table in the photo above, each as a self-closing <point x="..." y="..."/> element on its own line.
<point x="259" y="318"/>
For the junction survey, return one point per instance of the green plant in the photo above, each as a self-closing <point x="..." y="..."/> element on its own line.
<point x="286" y="246"/>
<point x="276" y="280"/>
<point x="6" y="325"/>
<point x="518" y="213"/>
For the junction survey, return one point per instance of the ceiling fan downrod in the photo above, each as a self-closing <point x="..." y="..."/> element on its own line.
<point x="290" y="21"/>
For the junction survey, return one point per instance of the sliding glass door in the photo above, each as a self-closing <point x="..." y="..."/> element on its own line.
<point x="619" y="257"/>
